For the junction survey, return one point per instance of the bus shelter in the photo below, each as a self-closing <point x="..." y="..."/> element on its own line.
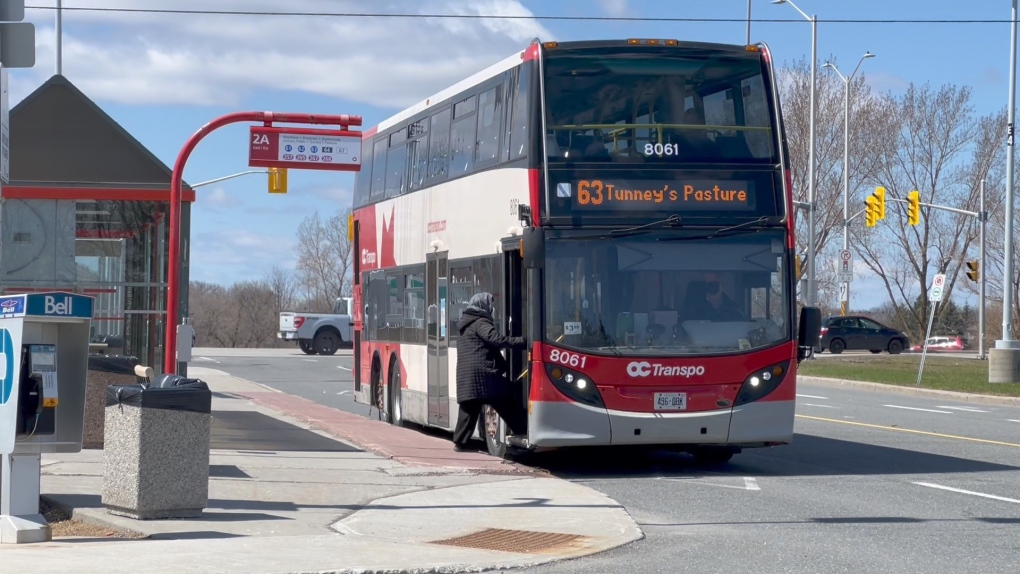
<point x="86" y="211"/>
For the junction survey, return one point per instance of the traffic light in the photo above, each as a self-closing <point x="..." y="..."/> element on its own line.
<point x="914" y="208"/>
<point x="880" y="196"/>
<point x="798" y="267"/>
<point x="870" y="211"/>
<point x="277" y="180"/>
<point x="972" y="270"/>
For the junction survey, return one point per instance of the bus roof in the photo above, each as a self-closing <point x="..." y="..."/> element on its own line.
<point x="517" y="57"/>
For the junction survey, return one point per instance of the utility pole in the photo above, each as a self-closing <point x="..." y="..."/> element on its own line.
<point x="983" y="218"/>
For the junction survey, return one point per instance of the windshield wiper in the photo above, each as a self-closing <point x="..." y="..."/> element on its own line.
<point x="672" y="221"/>
<point x="724" y="232"/>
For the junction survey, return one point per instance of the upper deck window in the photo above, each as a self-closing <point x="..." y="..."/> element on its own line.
<point x="658" y="105"/>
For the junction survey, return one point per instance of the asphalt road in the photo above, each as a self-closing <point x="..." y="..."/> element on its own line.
<point x="873" y="482"/>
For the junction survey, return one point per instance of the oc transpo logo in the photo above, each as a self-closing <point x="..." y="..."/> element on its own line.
<point x="646" y="369"/>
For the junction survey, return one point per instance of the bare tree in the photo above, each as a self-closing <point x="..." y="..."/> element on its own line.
<point x="324" y="259"/>
<point x="281" y="283"/>
<point x="938" y="152"/>
<point x="868" y="112"/>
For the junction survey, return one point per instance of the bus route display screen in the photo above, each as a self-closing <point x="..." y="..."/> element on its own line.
<point x="672" y="196"/>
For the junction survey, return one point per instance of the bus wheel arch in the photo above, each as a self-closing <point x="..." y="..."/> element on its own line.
<point x="395" y="410"/>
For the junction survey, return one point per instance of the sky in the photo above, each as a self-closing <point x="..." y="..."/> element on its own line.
<point x="163" y="76"/>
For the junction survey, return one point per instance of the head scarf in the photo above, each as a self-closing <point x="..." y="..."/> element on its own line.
<point x="482" y="302"/>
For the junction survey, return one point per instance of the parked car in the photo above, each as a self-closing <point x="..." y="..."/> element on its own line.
<point x="941" y="343"/>
<point x="859" y="333"/>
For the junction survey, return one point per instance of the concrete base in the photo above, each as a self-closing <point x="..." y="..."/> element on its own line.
<point x="24" y="529"/>
<point x="1003" y="365"/>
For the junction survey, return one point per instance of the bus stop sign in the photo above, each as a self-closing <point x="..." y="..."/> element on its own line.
<point x="304" y="148"/>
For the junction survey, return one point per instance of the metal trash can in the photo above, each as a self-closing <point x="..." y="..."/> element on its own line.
<point x="156" y="456"/>
<point x="103" y="371"/>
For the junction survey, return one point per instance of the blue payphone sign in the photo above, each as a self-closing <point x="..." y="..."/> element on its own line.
<point x="7" y="361"/>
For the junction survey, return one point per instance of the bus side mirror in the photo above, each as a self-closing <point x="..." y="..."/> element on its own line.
<point x="809" y="332"/>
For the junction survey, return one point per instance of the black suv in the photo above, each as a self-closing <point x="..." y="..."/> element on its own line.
<point x="857" y="333"/>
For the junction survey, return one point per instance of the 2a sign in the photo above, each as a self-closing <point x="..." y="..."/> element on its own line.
<point x="304" y="148"/>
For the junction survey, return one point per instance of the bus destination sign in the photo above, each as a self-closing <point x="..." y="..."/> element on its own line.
<point x="652" y="195"/>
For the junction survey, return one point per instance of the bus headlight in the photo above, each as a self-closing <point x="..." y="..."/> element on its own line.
<point x="761" y="383"/>
<point x="574" y="385"/>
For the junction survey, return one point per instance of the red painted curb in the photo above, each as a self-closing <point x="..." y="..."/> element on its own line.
<point x="404" y="445"/>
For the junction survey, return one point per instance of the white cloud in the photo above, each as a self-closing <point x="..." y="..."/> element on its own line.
<point x="218" y="198"/>
<point x="139" y="58"/>
<point x="239" y="254"/>
<point x="614" y="8"/>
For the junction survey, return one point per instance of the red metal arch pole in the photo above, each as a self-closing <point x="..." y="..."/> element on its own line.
<point x="174" y="256"/>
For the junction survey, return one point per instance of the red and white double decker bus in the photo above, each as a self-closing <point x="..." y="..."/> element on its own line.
<point x="629" y="205"/>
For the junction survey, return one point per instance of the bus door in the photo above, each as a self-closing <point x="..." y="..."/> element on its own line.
<point x="438" y="339"/>
<point x="513" y="305"/>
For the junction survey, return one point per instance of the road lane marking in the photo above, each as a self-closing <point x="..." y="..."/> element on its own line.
<point x="967" y="409"/>
<point x="883" y="427"/>
<point x="822" y="406"/>
<point x="344" y="368"/>
<point x="1013" y="420"/>
<point x="813" y="397"/>
<point x="917" y="409"/>
<point x="750" y="483"/>
<point x="970" y="492"/>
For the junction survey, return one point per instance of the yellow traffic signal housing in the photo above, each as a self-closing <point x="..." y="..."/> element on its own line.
<point x="870" y="210"/>
<point x="798" y="267"/>
<point x="880" y="196"/>
<point x="277" y="180"/>
<point x="972" y="271"/>
<point x="914" y="208"/>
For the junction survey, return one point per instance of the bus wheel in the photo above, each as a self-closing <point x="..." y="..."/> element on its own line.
<point x="395" y="411"/>
<point x="306" y="347"/>
<point x="712" y="455"/>
<point x="378" y="391"/>
<point x="490" y="427"/>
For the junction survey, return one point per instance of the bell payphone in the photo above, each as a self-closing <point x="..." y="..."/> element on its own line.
<point x="38" y="392"/>
<point x="44" y="347"/>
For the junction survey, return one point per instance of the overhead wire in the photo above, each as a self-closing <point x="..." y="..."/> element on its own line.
<point x="518" y="16"/>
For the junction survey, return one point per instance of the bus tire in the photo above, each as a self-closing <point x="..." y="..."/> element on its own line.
<point x="306" y="346"/>
<point x="490" y="426"/>
<point x="712" y="455"/>
<point x="376" y="388"/>
<point x="396" y="409"/>
<point x="327" y="341"/>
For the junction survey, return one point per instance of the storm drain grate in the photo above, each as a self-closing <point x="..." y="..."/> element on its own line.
<point x="518" y="541"/>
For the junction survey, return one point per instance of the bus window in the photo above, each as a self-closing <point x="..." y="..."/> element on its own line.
<point x="379" y="169"/>
<point x="648" y="104"/>
<point x="519" y="119"/>
<point x="439" y="145"/>
<point x="490" y="108"/>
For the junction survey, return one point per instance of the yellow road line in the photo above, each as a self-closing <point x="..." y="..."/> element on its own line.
<point x="883" y="427"/>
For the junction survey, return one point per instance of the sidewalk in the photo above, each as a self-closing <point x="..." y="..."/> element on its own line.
<point x="284" y="497"/>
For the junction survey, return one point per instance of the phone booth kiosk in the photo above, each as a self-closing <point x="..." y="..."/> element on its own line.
<point x="44" y="347"/>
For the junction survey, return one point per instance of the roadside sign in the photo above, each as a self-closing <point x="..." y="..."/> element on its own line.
<point x="304" y="148"/>
<point x="845" y="277"/>
<point x="846" y="261"/>
<point x="937" y="287"/>
<point x="844" y="293"/>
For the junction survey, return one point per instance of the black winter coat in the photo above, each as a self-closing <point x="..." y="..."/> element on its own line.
<point x="481" y="368"/>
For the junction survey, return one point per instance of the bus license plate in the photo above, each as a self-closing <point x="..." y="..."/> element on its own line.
<point x="670" y="401"/>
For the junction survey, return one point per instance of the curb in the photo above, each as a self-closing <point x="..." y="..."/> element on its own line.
<point x="86" y="516"/>
<point x="912" y="391"/>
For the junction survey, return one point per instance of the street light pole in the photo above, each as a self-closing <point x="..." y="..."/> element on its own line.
<point x="811" y="296"/>
<point x="846" y="158"/>
<point x="748" y="22"/>
<point x="1007" y="341"/>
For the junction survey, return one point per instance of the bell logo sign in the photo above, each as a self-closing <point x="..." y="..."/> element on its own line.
<point x="645" y="369"/>
<point x="53" y="307"/>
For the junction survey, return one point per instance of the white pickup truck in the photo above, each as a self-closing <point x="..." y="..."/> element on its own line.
<point x="319" y="333"/>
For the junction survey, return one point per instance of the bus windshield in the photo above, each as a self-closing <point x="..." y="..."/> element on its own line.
<point x="664" y="293"/>
<point x="657" y="105"/>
